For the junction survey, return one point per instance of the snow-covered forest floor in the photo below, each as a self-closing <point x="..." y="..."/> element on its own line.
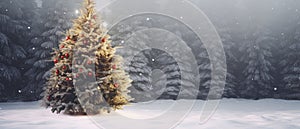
<point x="231" y="113"/>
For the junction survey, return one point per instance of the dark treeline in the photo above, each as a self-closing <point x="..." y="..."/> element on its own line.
<point x="29" y="31"/>
<point x="261" y="39"/>
<point x="262" y="44"/>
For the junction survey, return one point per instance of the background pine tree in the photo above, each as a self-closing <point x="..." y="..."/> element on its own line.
<point x="52" y="21"/>
<point x="230" y="46"/>
<point x="168" y="84"/>
<point x="15" y="31"/>
<point x="290" y="64"/>
<point x="258" y="79"/>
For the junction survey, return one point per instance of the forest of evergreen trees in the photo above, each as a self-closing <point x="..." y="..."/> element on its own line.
<point x="261" y="42"/>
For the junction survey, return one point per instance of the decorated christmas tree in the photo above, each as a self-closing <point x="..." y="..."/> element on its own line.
<point x="88" y="77"/>
<point x="60" y="93"/>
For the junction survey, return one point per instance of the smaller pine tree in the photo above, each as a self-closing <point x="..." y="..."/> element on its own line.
<point x="258" y="69"/>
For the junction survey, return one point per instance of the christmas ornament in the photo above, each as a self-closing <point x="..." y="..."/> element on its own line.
<point x="67" y="55"/>
<point x="64" y="67"/>
<point x="114" y="67"/>
<point x="48" y="98"/>
<point x="90" y="74"/>
<point x="57" y="72"/>
<point x="55" y="61"/>
<point x="89" y="62"/>
<point x="77" y="75"/>
<point x="68" y="38"/>
<point x="116" y="85"/>
<point x="103" y="40"/>
<point x="62" y="57"/>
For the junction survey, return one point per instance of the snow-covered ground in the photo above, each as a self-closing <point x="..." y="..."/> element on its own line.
<point x="231" y="113"/>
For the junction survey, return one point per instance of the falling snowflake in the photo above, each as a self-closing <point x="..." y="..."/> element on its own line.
<point x="255" y="47"/>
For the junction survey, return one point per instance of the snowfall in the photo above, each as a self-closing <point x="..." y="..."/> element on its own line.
<point x="162" y="114"/>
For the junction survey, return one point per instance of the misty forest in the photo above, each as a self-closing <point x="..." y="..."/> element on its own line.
<point x="261" y="39"/>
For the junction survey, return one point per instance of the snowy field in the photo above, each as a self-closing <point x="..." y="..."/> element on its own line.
<point x="231" y="114"/>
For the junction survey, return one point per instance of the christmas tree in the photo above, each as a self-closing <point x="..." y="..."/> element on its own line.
<point x="88" y="77"/>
